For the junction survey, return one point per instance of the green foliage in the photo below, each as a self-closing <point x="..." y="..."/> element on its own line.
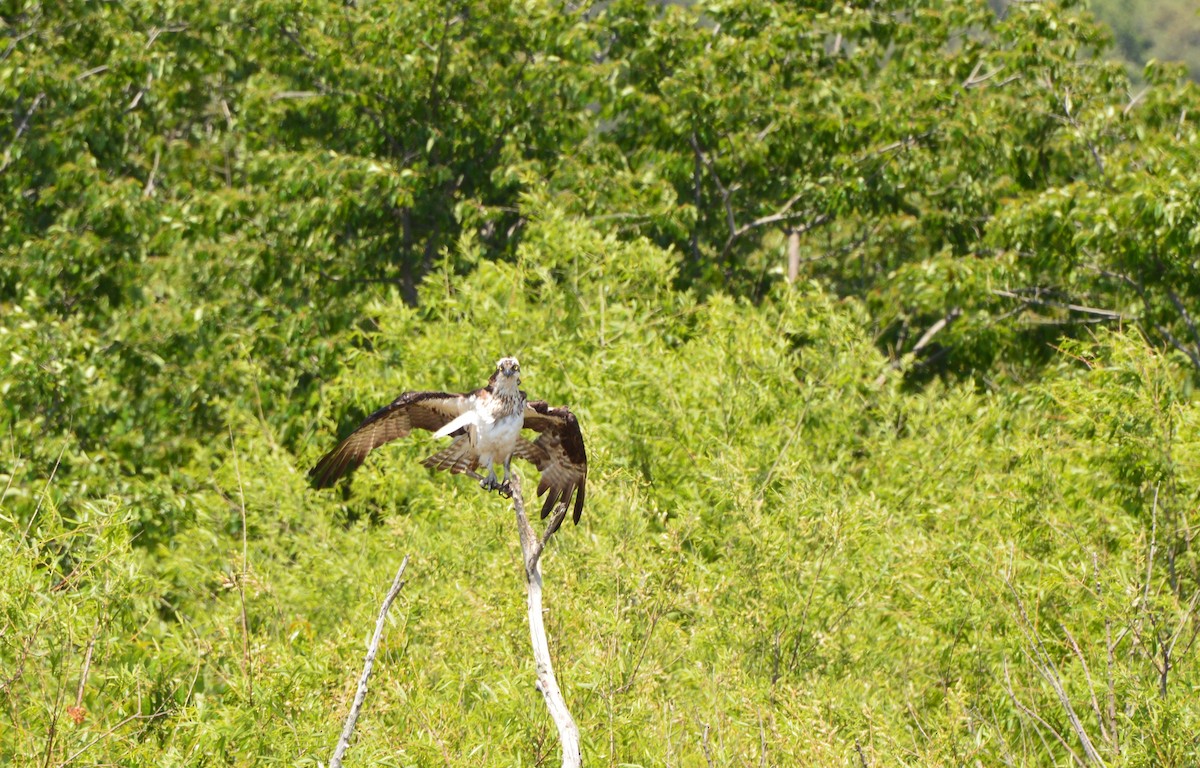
<point x="818" y="565"/>
<point x="929" y="503"/>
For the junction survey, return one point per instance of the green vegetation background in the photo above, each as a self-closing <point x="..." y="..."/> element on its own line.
<point x="930" y="502"/>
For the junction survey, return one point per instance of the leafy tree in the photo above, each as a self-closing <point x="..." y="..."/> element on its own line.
<point x="927" y="500"/>
<point x="889" y="144"/>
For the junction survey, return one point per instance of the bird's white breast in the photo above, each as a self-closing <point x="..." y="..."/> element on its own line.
<point x="495" y="436"/>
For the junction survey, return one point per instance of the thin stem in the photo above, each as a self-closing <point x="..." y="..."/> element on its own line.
<point x="372" y="649"/>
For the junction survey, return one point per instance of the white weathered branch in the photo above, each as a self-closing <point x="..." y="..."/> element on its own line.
<point x="1038" y="301"/>
<point x="531" y="553"/>
<point x="372" y="649"/>
<point x="923" y="342"/>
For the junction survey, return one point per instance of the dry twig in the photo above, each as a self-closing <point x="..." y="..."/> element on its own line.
<point x="372" y="649"/>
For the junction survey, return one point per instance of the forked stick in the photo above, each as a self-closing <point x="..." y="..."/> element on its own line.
<point x="372" y="649"/>
<point x="531" y="552"/>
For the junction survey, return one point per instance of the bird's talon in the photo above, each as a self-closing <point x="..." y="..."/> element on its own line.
<point x="505" y="490"/>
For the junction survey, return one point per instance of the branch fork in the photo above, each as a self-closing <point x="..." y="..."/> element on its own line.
<point x="547" y="684"/>
<point x="532" y="547"/>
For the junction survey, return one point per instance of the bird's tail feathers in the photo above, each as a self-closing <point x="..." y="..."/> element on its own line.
<point x="458" y="457"/>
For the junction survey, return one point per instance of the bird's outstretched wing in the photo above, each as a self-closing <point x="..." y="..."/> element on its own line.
<point x="558" y="454"/>
<point x="412" y="410"/>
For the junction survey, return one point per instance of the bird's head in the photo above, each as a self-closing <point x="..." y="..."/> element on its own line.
<point x="508" y="372"/>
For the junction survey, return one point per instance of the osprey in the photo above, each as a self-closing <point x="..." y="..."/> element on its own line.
<point x="486" y="426"/>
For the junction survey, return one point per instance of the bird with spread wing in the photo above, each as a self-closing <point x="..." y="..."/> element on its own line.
<point x="486" y="426"/>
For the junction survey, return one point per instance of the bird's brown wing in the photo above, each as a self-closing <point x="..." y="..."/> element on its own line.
<point x="412" y="410"/>
<point x="558" y="454"/>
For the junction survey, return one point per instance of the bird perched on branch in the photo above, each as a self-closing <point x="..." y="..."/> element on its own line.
<point x="486" y="426"/>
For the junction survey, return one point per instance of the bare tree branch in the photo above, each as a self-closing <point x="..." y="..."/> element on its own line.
<point x="1175" y="342"/>
<point x="1187" y="318"/>
<point x="1029" y="712"/>
<point x="37" y="102"/>
<point x="372" y="649"/>
<point x="247" y="665"/>
<point x="531" y="551"/>
<point x="793" y="251"/>
<point x="12" y="44"/>
<point x="708" y="758"/>
<point x="1038" y="301"/>
<point x="1110" y="666"/>
<point x="1087" y="673"/>
<point x="93" y="71"/>
<point x="1044" y="664"/>
<point x="1064" y="100"/>
<point x="924" y="341"/>
<point x="726" y="193"/>
<point x="936" y="328"/>
<point x="974" y="80"/>
<point x="775" y="218"/>
<point x="1192" y="354"/>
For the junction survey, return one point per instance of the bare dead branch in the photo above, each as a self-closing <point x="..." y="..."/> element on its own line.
<point x="247" y="665"/>
<point x="372" y="649"/>
<point x="93" y="71"/>
<point x="862" y="758"/>
<point x="1133" y="100"/>
<point x="12" y="44"/>
<point x="1192" y="354"/>
<point x="781" y="216"/>
<point x="45" y="490"/>
<point x="137" y="98"/>
<point x="936" y="328"/>
<point x="726" y="193"/>
<point x="924" y="341"/>
<point x="37" y="102"/>
<point x="155" y="32"/>
<point x="793" y="252"/>
<point x="707" y="749"/>
<point x="1029" y="712"/>
<point x="285" y="95"/>
<point x="1038" y="301"/>
<point x="1046" y="667"/>
<point x="531" y="551"/>
<point x="1114" y="740"/>
<point x="294" y="36"/>
<point x="148" y="190"/>
<point x="1187" y="317"/>
<point x="1087" y="673"/>
<point x="974" y="80"/>
<point x="87" y="667"/>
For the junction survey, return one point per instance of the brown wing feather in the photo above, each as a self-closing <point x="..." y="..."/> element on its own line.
<point x="412" y="410"/>
<point x="559" y="455"/>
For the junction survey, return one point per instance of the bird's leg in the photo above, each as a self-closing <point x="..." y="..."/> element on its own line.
<point x="505" y="488"/>
<point x="491" y="482"/>
<point x="486" y="483"/>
